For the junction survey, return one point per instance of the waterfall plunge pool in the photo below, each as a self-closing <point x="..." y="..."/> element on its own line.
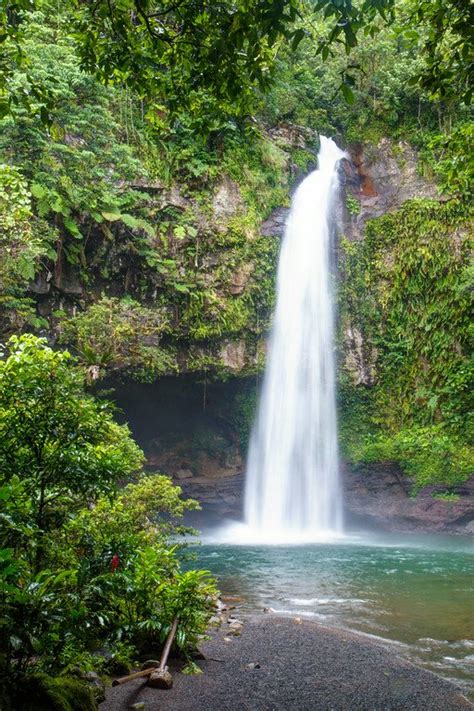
<point x="414" y="593"/>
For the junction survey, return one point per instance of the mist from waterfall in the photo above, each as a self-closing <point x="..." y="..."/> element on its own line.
<point x="292" y="484"/>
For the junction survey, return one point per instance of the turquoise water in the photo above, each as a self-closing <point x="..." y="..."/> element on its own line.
<point x="414" y="593"/>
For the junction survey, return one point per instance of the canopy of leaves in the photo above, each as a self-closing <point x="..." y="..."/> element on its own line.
<point x="212" y="56"/>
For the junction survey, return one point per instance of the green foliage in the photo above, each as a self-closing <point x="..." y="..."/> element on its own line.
<point x="241" y="414"/>
<point x="138" y="602"/>
<point x="205" y="51"/>
<point x="448" y="47"/>
<point x="82" y="566"/>
<point x="352" y="205"/>
<point x="86" y="173"/>
<point x="24" y="241"/>
<point x="451" y="157"/>
<point x="447" y="496"/>
<point x="64" y="445"/>
<point x="427" y="454"/>
<point x="40" y="692"/>
<point x="191" y="668"/>
<point x="209" y="59"/>
<point x="121" y="334"/>
<point x="71" y="162"/>
<point x="405" y="288"/>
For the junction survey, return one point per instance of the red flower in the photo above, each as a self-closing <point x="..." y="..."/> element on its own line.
<point x="114" y="563"/>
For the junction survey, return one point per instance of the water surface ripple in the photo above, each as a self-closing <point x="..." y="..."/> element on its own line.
<point x="414" y="593"/>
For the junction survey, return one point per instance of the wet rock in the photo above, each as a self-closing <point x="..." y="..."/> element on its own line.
<point x="184" y="474"/>
<point x="174" y="198"/>
<point x="240" y="279"/>
<point x="161" y="679"/>
<point x="274" y="225"/>
<point x="235" y="629"/>
<point x="227" y="201"/>
<point x="360" y="357"/>
<point x="221" y="606"/>
<point x="378" y="496"/>
<point x="381" y="177"/>
<point x="290" y="134"/>
<point x="233" y="355"/>
<point x="41" y="284"/>
<point x="66" y="278"/>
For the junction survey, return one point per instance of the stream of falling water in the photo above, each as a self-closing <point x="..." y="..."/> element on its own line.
<point x="292" y="483"/>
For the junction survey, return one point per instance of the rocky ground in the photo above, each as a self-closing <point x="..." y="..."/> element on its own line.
<point x="264" y="663"/>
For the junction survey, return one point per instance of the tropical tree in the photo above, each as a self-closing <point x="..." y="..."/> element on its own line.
<point x="83" y="565"/>
<point x="192" y="53"/>
<point x="61" y="443"/>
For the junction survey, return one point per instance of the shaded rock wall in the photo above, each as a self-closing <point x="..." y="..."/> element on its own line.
<point x="378" y="497"/>
<point x="188" y="430"/>
<point x="381" y="178"/>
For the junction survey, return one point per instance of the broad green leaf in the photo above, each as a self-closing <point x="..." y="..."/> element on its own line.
<point x="112" y="216"/>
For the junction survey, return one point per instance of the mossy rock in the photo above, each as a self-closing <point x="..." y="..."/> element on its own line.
<point x="40" y="692"/>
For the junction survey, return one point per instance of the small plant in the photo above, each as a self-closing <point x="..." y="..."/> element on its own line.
<point x="352" y="205"/>
<point x="191" y="668"/>
<point x="446" y="496"/>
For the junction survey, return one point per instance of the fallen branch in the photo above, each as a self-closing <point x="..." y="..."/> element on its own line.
<point x="136" y="675"/>
<point x="160" y="670"/>
<point x="168" y="643"/>
<point x="161" y="677"/>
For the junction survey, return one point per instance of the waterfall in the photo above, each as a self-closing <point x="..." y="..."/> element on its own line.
<point x="292" y="483"/>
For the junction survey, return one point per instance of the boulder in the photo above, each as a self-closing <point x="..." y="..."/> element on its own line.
<point x="235" y="629"/>
<point x="160" y="679"/>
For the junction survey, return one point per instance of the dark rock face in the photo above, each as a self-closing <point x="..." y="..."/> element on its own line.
<point x="187" y="432"/>
<point x="374" y="499"/>
<point x="274" y="225"/>
<point x="221" y="499"/>
<point x="381" y="178"/>
<point x="379" y="498"/>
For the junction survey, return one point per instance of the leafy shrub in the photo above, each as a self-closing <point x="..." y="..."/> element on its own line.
<point x="429" y="455"/>
<point x="121" y="334"/>
<point x="40" y="692"/>
<point x="84" y="567"/>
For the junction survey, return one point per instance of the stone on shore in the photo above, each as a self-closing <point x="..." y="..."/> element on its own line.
<point x="161" y="679"/>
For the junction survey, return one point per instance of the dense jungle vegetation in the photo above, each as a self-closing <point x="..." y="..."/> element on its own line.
<point x="142" y="145"/>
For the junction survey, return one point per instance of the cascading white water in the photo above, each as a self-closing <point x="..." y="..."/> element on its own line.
<point x="292" y="484"/>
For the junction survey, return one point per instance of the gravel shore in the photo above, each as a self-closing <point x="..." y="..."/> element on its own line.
<point x="288" y="664"/>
